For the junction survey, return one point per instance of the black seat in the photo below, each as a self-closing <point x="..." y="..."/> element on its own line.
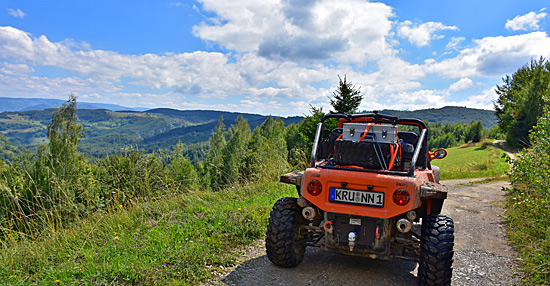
<point x="408" y="136"/>
<point x="412" y="138"/>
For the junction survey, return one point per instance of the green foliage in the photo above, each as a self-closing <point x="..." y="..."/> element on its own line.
<point x="522" y="98"/>
<point x="446" y="135"/>
<point x="346" y="99"/>
<point x="214" y="159"/>
<point x="474" y="132"/>
<point x="308" y="126"/>
<point x="234" y="153"/>
<point x="267" y="159"/>
<point x="8" y="150"/>
<point x="528" y="205"/>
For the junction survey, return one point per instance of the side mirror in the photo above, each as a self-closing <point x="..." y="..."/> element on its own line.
<point x="438" y="154"/>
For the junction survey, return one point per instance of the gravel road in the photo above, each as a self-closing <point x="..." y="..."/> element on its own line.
<point x="482" y="255"/>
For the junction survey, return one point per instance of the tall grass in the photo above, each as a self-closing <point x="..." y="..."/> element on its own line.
<point x="178" y="239"/>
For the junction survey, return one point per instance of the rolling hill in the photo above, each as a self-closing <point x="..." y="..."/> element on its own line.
<point x="115" y="131"/>
<point x="27" y="104"/>
<point x="450" y="115"/>
<point x="111" y="132"/>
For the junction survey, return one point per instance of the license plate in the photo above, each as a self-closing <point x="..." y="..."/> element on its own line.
<point x="356" y="197"/>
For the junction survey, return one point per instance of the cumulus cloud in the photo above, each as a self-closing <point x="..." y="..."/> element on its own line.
<point x="282" y="55"/>
<point x="494" y="56"/>
<point x="462" y="84"/>
<point x="347" y="31"/>
<point x="527" y="22"/>
<point x="207" y="76"/>
<point x="17" y="13"/>
<point x="421" y="35"/>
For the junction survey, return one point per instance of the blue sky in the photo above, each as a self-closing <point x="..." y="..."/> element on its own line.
<point x="270" y="57"/>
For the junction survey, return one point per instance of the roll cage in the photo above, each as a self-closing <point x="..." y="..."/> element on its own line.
<point x="324" y="141"/>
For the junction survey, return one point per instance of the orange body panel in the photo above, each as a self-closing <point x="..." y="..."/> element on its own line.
<point x="356" y="180"/>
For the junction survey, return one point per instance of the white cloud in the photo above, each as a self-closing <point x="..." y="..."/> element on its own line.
<point x="421" y="35"/>
<point x="17" y="13"/>
<point x="203" y="76"/>
<point x="462" y="84"/>
<point x="454" y="43"/>
<point x="494" y="56"/>
<point x="348" y="31"/>
<point x="484" y="100"/>
<point x="529" y="21"/>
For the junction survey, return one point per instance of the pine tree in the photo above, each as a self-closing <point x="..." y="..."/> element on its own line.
<point x="346" y="98"/>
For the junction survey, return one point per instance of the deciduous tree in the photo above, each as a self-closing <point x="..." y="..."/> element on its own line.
<point x="521" y="100"/>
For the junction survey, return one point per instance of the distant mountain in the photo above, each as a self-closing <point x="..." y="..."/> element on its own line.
<point x="27" y="104"/>
<point x="116" y="131"/>
<point x="449" y="115"/>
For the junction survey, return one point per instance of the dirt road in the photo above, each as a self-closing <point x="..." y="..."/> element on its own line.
<point x="482" y="255"/>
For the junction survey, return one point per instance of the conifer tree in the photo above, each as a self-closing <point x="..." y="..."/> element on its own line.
<point x="346" y="99"/>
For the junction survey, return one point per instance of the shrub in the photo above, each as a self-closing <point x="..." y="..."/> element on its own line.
<point x="528" y="212"/>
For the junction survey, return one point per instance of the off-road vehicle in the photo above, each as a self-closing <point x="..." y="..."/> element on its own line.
<point x="371" y="191"/>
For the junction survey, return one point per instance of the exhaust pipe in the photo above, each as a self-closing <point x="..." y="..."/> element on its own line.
<point x="404" y="225"/>
<point x="308" y="213"/>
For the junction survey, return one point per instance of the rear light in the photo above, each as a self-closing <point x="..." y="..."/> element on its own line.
<point x="314" y="187"/>
<point x="401" y="197"/>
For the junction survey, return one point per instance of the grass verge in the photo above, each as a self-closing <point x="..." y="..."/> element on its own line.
<point x="177" y="240"/>
<point x="472" y="161"/>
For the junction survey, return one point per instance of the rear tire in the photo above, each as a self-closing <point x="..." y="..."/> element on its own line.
<point x="284" y="245"/>
<point x="436" y="255"/>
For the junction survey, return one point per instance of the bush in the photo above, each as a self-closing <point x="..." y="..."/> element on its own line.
<point x="528" y="212"/>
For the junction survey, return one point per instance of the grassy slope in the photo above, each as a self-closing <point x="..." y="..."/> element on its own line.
<point x="477" y="161"/>
<point x="182" y="239"/>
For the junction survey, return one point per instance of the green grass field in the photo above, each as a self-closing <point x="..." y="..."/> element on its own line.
<point x="477" y="161"/>
<point x="178" y="240"/>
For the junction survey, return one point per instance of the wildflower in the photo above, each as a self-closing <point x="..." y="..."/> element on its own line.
<point x="238" y="209"/>
<point x="120" y="206"/>
<point x="116" y="237"/>
<point x="219" y="223"/>
<point x="57" y="281"/>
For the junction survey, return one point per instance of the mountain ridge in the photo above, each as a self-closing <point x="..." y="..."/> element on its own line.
<point x="118" y="131"/>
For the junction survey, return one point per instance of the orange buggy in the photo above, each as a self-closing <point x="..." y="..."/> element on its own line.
<point x="369" y="181"/>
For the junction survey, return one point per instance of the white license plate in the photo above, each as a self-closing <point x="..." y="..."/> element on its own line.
<point x="356" y="197"/>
